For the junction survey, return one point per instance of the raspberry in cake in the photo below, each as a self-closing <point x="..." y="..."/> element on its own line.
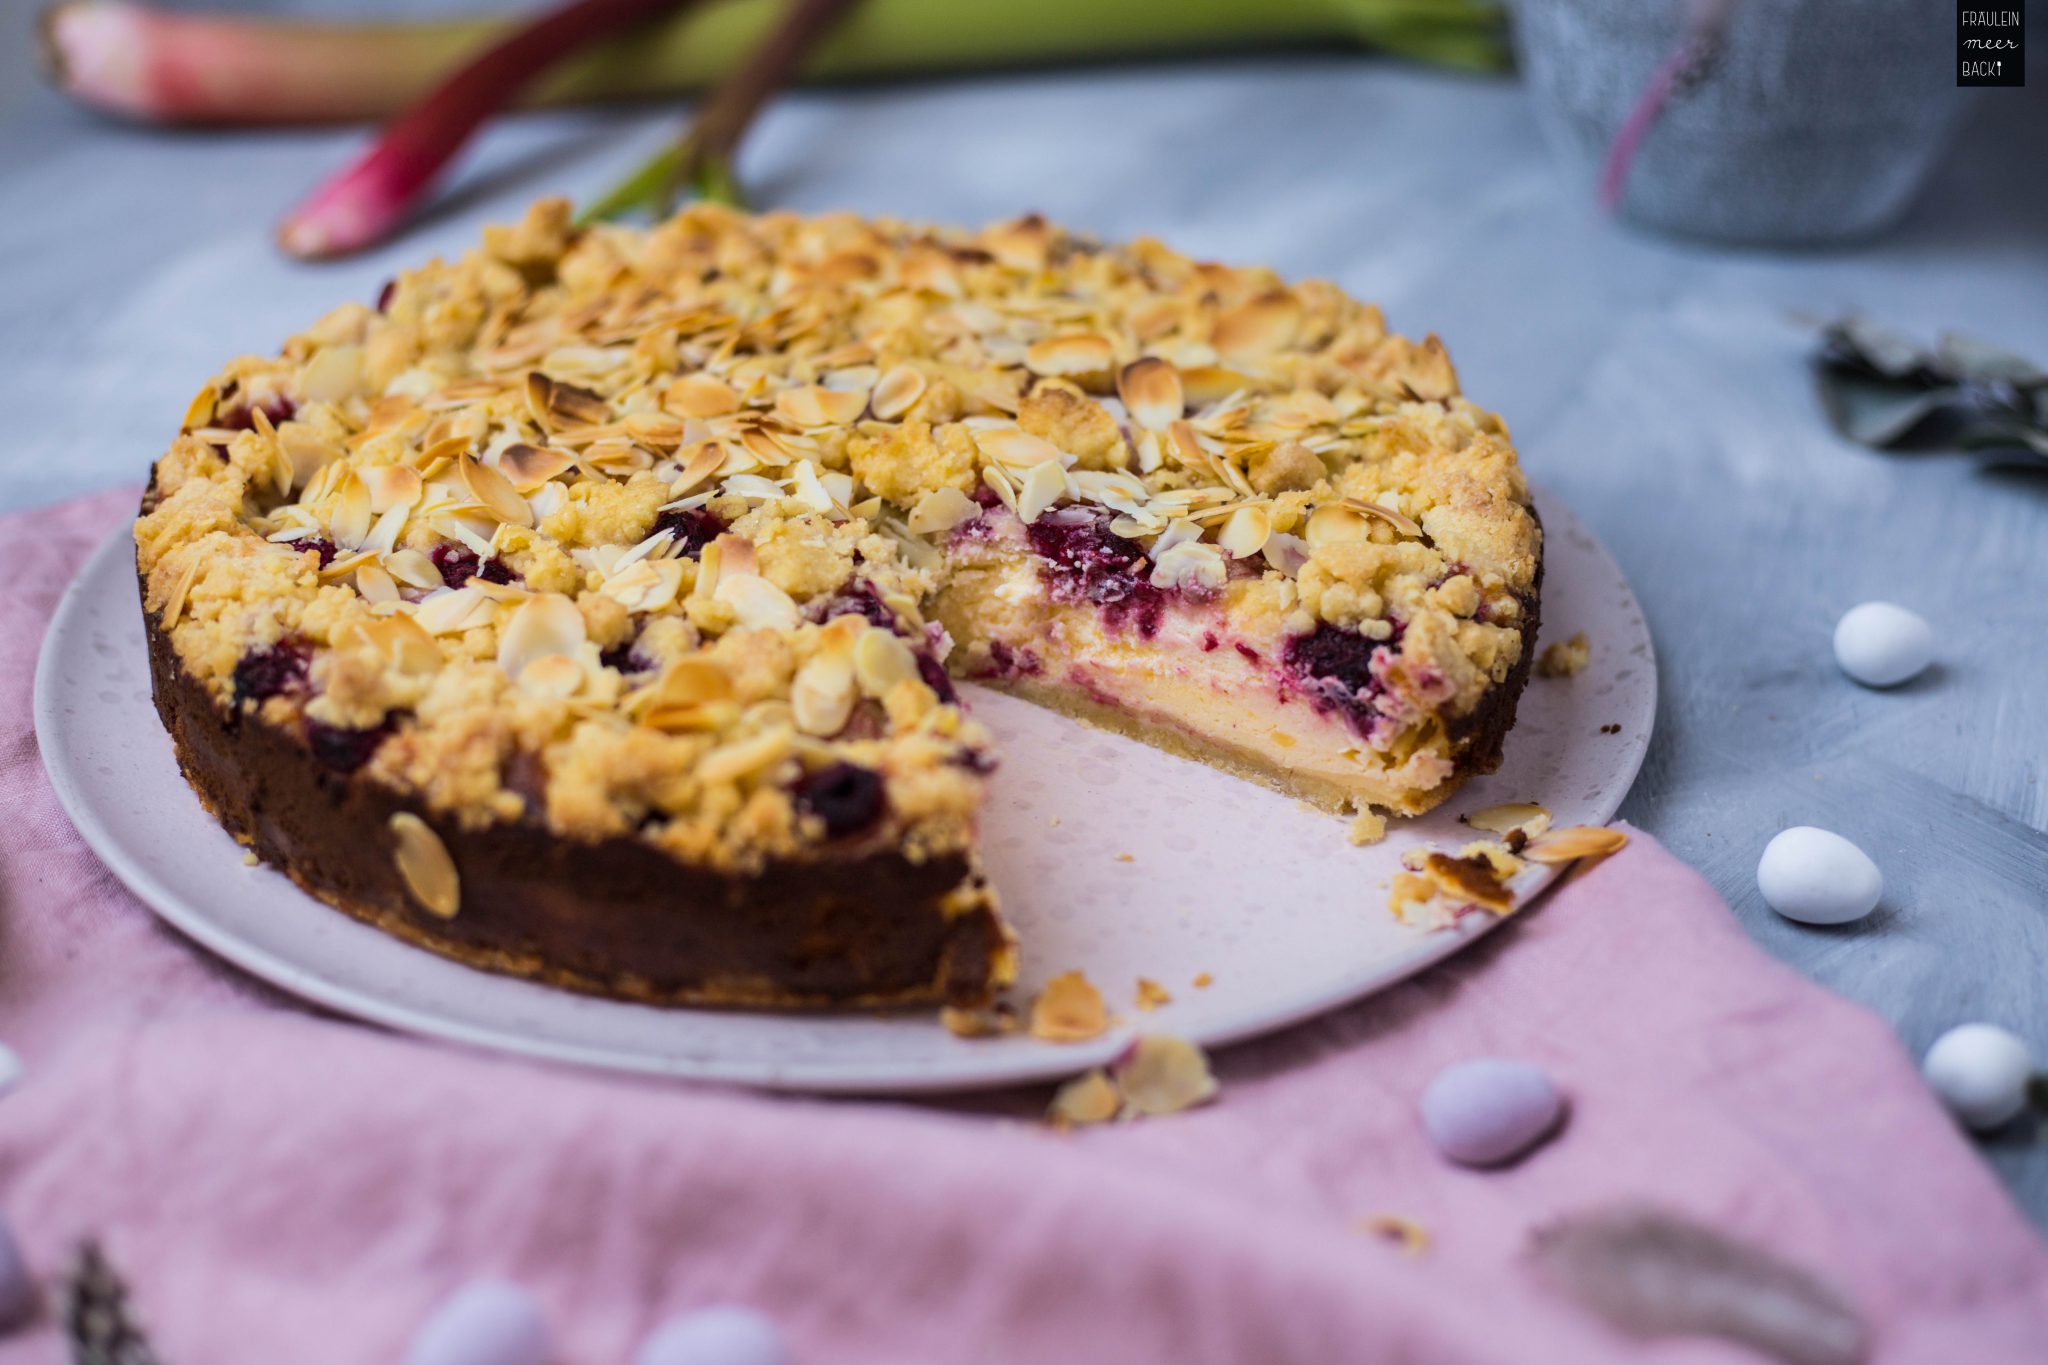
<point x="621" y="578"/>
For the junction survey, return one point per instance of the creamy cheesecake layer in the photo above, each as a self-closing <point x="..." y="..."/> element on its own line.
<point x="1200" y="675"/>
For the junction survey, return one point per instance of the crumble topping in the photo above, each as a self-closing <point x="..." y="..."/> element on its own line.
<point x="643" y="532"/>
<point x="1565" y="658"/>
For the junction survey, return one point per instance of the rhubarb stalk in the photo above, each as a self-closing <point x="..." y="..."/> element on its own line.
<point x="187" y="68"/>
<point x="701" y="159"/>
<point x="368" y="199"/>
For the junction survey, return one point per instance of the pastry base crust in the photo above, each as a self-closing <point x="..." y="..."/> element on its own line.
<point x="615" y="918"/>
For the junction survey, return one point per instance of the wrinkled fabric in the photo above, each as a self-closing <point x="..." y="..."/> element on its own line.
<point x="281" y="1185"/>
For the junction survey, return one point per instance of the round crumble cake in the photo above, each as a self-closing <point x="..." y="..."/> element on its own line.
<point x="589" y="608"/>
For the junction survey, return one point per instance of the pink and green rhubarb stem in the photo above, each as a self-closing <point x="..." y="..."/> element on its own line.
<point x="187" y="68"/>
<point x="369" y="199"/>
<point x="701" y="160"/>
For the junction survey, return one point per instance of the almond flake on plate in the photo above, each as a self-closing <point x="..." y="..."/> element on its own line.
<point x="1161" y="1074"/>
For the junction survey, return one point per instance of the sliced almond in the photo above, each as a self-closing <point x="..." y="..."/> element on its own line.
<point x="1081" y="353"/>
<point x="333" y="375"/>
<point x="1163" y="1075"/>
<point x="1192" y="564"/>
<point x="645" y="585"/>
<point x="1335" y="524"/>
<point x="1043" y="486"/>
<point x="350" y="522"/>
<point x="1152" y="394"/>
<point x="942" y="509"/>
<point x="756" y="603"/>
<point x="822" y="695"/>
<point x="897" y="392"/>
<point x="494" y="491"/>
<point x="881" y="660"/>
<point x="1069" y="1010"/>
<point x="1286" y="553"/>
<point x="544" y="624"/>
<point x="1016" y="449"/>
<point x="1532" y="820"/>
<point x="199" y="413"/>
<point x="424" y="865"/>
<point x="1088" y="1098"/>
<point x="816" y="406"/>
<point x="374" y="584"/>
<point x="527" y="467"/>
<point x="1245" y="532"/>
<point x="1574" y="842"/>
<point x="746" y="757"/>
<point x="552" y="675"/>
<point x="1258" y="327"/>
<point x="700" y="396"/>
<point x="404" y="645"/>
<point x="174" y="605"/>
<point x="451" y="613"/>
<point x="656" y="430"/>
<point x="1386" y="514"/>
<point x="704" y="461"/>
<point x="414" y="569"/>
<point x="393" y="485"/>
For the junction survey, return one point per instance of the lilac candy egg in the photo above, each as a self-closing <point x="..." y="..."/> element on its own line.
<point x="1490" y="1110"/>
<point x="726" y="1335"/>
<point x="486" y="1322"/>
<point x="17" y="1286"/>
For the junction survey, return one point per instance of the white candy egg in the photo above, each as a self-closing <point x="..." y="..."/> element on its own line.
<point x="1484" y="1112"/>
<point x="726" y="1335"/>
<point x="486" y="1322"/>
<point x="1818" y="877"/>
<point x="1981" y="1073"/>
<point x="17" y="1285"/>
<point x="1880" y="644"/>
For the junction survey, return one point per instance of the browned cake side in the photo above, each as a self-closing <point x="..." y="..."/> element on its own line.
<point x="612" y="918"/>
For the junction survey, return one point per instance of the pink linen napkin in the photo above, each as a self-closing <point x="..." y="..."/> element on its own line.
<point x="280" y="1185"/>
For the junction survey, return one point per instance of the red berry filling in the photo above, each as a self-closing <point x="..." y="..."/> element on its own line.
<point x="266" y="673"/>
<point x="1087" y="562"/>
<point x="1334" y="669"/>
<point x="694" y="527"/>
<point x="846" y="796"/>
<point x="458" y="564"/>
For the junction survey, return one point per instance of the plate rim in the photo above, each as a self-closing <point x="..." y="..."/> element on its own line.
<point x="883" y="1077"/>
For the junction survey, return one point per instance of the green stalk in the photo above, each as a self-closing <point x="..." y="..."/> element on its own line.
<point x="169" y="67"/>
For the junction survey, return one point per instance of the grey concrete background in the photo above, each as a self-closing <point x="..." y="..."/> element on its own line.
<point x="1659" y="387"/>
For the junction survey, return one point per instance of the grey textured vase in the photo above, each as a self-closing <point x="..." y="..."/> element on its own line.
<point x="1818" y="123"/>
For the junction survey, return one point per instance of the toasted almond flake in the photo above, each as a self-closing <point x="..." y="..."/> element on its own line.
<point x="1258" y="327"/>
<point x="527" y="467"/>
<point x="816" y="406"/>
<point x="495" y="492"/>
<point x="1069" y="1010"/>
<point x="552" y="675"/>
<point x="808" y="488"/>
<point x="1386" y="514"/>
<point x="1040" y="489"/>
<point x="351" y="519"/>
<point x="424" y="865"/>
<point x="393" y="485"/>
<point x="1206" y="384"/>
<point x="880" y="661"/>
<point x="1532" y="820"/>
<point x="570" y="406"/>
<point x="700" y="396"/>
<point x="823" y="694"/>
<point x="1016" y="449"/>
<point x="1151" y="392"/>
<point x="735" y="556"/>
<point x="450" y="613"/>
<point x="1151" y="995"/>
<point x="658" y="431"/>
<point x="376" y="585"/>
<point x="383" y="537"/>
<point x="645" y="585"/>
<point x="344" y="565"/>
<point x="747" y="757"/>
<point x="402" y="643"/>
<point x="1286" y="553"/>
<point x="704" y="461"/>
<point x="1081" y="353"/>
<point x="545" y="623"/>
<point x="413" y="568"/>
<point x="1574" y="842"/>
<point x="333" y="375"/>
<point x="1405" y="1233"/>
<point x="199" y="412"/>
<point x="942" y="509"/>
<point x="174" y="605"/>
<point x="1246" y="532"/>
<point x="999" y="484"/>
<point x="897" y="392"/>
<point x="1162" y="1074"/>
<point x="756" y="603"/>
<point x="1335" y="524"/>
<point x="1088" y="1098"/>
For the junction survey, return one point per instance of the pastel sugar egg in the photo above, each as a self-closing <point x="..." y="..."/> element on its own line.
<point x="1881" y="644"/>
<point x="1981" y="1073"/>
<point x="1490" y="1110"/>
<point x="486" y="1322"/>
<point x="1816" y="876"/>
<point x="725" y="1335"/>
